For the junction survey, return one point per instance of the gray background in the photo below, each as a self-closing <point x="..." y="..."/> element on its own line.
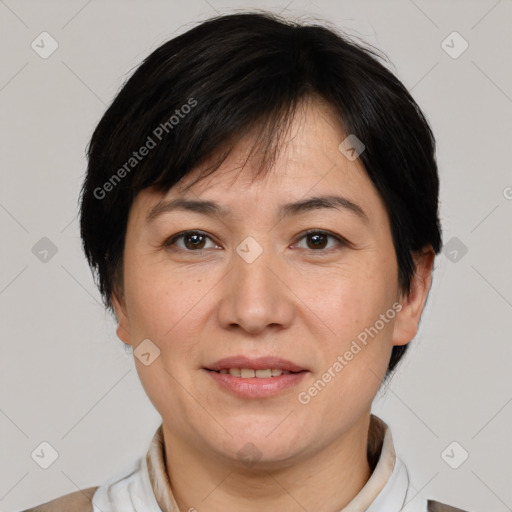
<point x="67" y="380"/>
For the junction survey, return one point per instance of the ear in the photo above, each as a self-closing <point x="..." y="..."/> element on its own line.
<point x="123" y="325"/>
<point x="408" y="318"/>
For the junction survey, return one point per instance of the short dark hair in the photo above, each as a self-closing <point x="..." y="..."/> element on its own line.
<point x="196" y="95"/>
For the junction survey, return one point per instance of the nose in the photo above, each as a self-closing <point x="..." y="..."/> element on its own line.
<point x="255" y="295"/>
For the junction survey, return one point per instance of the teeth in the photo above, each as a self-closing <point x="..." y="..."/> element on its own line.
<point x="248" y="373"/>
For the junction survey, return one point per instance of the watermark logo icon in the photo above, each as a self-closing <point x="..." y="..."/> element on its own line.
<point x="146" y="352"/>
<point x="44" y="45"/>
<point x="249" y="249"/>
<point x="454" y="45"/>
<point x="454" y="455"/>
<point x="249" y="454"/>
<point x="351" y="147"/>
<point x="44" y="455"/>
<point x="44" y="250"/>
<point x="455" y="249"/>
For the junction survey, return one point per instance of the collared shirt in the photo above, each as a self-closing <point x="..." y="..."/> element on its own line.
<point x="147" y="489"/>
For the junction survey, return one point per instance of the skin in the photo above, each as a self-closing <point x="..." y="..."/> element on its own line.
<point x="295" y="301"/>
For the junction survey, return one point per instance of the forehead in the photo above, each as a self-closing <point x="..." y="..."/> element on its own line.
<point x="309" y="163"/>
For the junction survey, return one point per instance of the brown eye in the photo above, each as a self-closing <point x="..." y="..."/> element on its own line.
<point x="319" y="240"/>
<point x="192" y="241"/>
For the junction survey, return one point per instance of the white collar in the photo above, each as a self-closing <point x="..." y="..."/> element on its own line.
<point x="146" y="487"/>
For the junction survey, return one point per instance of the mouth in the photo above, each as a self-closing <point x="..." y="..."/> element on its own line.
<point x="250" y="373"/>
<point x="255" y="378"/>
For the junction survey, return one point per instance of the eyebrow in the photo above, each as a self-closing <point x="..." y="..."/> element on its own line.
<point x="212" y="208"/>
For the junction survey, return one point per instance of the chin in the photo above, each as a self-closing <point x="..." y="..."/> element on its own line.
<point x="263" y="441"/>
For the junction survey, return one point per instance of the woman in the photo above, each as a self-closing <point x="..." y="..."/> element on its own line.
<point x="261" y="212"/>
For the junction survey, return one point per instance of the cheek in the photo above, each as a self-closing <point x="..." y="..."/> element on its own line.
<point x="349" y="299"/>
<point x="358" y="333"/>
<point x="354" y="355"/>
<point x="350" y="304"/>
<point x="168" y="309"/>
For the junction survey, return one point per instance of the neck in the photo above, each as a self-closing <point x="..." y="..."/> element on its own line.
<point x="328" y="480"/>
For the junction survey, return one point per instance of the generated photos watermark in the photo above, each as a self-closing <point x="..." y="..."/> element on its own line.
<point x="156" y="136"/>
<point x="304" y="397"/>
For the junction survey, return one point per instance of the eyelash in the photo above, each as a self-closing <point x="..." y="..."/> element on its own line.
<point x="170" y="242"/>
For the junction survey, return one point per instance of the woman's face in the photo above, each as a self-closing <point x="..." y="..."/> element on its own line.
<point x="247" y="288"/>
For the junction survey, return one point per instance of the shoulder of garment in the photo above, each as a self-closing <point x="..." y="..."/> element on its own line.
<point x="78" y="501"/>
<point x="81" y="501"/>
<point x="436" y="506"/>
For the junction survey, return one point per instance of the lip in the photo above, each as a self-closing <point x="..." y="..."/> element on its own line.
<point x="259" y="363"/>
<point x="254" y="387"/>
